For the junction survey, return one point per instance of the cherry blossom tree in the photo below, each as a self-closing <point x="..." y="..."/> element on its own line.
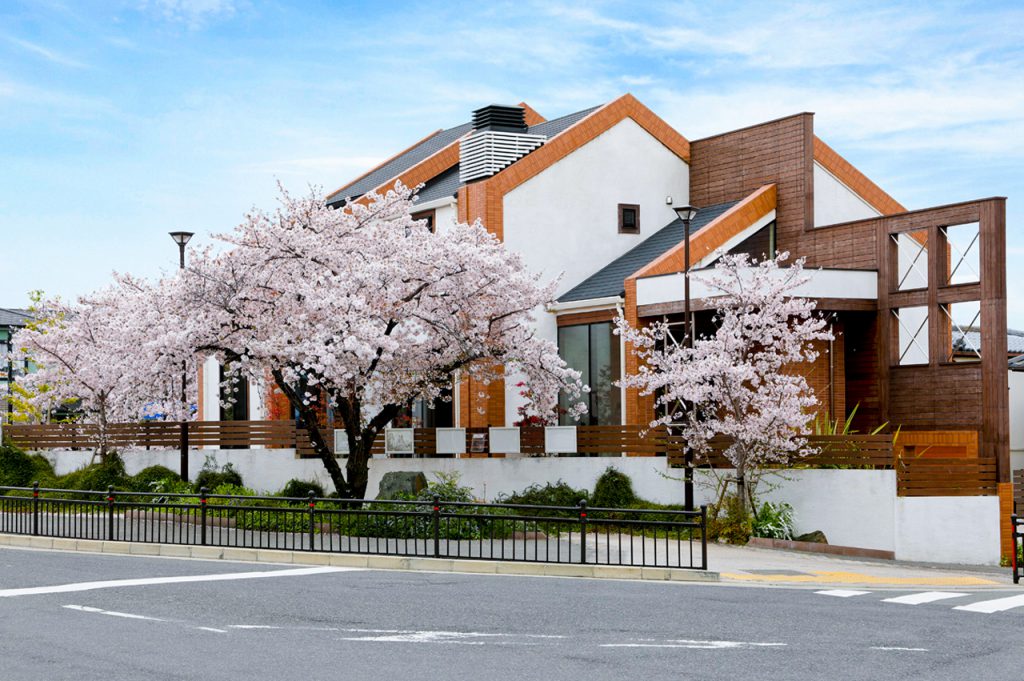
<point x="102" y="353"/>
<point x="743" y="381"/>
<point x="365" y="310"/>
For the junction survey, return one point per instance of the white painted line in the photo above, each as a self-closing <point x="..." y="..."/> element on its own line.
<point x="995" y="605"/>
<point x="216" y="631"/>
<point x="469" y="638"/>
<point x="923" y="597"/>
<point x="112" y="613"/>
<point x="114" y="584"/>
<point x="697" y="645"/>
<point x="909" y="650"/>
<point x="842" y="593"/>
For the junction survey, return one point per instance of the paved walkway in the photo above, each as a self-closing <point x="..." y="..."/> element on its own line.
<point x="741" y="564"/>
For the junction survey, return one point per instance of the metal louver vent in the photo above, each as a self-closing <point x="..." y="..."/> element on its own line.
<point x="487" y="152"/>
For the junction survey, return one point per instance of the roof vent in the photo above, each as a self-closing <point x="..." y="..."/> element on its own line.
<point x="497" y="117"/>
<point x="499" y="140"/>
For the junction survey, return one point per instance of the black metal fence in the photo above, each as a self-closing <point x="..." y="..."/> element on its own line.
<point x="1017" y="556"/>
<point x="431" y="529"/>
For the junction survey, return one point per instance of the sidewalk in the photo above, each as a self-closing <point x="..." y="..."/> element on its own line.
<point x="759" y="566"/>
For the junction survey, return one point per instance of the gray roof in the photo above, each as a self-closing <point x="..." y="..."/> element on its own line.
<point x="445" y="184"/>
<point x="10" y="316"/>
<point x="970" y="339"/>
<point x="432" y="145"/>
<point x="608" y="281"/>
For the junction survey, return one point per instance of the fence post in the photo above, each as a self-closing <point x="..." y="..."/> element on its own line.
<point x="35" y="508"/>
<point x="202" y="515"/>
<point x="703" y="536"/>
<point x="110" y="513"/>
<point x="437" y="526"/>
<point x="688" y="480"/>
<point x="1013" y="552"/>
<point x="583" y="530"/>
<point x="312" y="518"/>
<point x="184" y="451"/>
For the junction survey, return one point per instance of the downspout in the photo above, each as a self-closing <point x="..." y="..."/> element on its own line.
<point x="622" y="370"/>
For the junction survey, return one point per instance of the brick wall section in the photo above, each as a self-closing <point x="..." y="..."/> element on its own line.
<point x="828" y="379"/>
<point x="730" y="166"/>
<point x="855" y="180"/>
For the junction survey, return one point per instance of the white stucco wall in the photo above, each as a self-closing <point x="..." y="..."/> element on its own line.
<point x="834" y="202"/>
<point x="948" y="529"/>
<point x="844" y="284"/>
<point x="211" y="394"/>
<point x="1016" y="379"/>
<point x="565" y="219"/>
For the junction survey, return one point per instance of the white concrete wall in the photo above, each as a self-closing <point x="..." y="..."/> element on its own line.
<point x="211" y="394"/>
<point x="948" y="529"/>
<point x="1016" y="379"/>
<point x="844" y="284"/>
<point x="834" y="202"/>
<point x="852" y="507"/>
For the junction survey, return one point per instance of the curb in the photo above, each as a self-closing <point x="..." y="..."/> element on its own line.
<point x="372" y="562"/>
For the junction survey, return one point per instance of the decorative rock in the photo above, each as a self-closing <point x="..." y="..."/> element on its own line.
<point x="401" y="481"/>
<point x="816" y="537"/>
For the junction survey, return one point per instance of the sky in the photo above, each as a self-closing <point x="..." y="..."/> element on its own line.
<point x="121" y="121"/>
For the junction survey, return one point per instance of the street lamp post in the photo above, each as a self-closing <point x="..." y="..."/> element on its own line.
<point x="687" y="214"/>
<point x="181" y="238"/>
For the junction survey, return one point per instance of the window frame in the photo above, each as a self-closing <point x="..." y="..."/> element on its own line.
<point x="623" y="207"/>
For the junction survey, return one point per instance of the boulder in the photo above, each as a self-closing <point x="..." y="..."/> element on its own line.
<point x="394" y="482"/>
<point x="816" y="537"/>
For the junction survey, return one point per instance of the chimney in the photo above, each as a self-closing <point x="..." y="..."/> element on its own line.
<point x="499" y="139"/>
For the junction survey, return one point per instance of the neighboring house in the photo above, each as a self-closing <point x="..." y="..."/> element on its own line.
<point x="11" y="320"/>
<point x="591" y="195"/>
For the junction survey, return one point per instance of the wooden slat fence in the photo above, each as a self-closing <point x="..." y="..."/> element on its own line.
<point x="1018" y="491"/>
<point x="959" y="477"/>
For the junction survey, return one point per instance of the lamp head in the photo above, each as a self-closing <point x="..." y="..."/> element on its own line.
<point x="685" y="213"/>
<point x="181" y="238"/>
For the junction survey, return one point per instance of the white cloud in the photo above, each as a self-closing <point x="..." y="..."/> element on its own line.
<point x="46" y="53"/>
<point x="194" y="13"/>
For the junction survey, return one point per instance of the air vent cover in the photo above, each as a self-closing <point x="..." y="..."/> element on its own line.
<point x="486" y="153"/>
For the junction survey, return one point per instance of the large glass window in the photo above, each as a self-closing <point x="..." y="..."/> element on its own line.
<point x="593" y="350"/>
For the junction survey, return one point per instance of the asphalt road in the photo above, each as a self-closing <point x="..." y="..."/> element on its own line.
<point x="215" y="620"/>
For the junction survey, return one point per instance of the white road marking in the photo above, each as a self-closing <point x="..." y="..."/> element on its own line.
<point x="923" y="597"/>
<point x="217" y="631"/>
<point x="467" y="638"/>
<point x="995" y="605"/>
<point x="910" y="650"/>
<point x="112" y="613"/>
<point x="696" y="644"/>
<point x="842" y="593"/>
<point x="114" y="584"/>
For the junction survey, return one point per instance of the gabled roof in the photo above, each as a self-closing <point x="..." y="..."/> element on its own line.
<point x="970" y="339"/>
<point x="608" y="281"/>
<point x="14" y="316"/>
<point x="422" y="150"/>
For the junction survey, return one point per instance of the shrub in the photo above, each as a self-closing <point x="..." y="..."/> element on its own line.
<point x="301" y="488"/>
<point x="729" y="521"/>
<point x="773" y="521"/>
<point x="614" y="489"/>
<point x="551" y="494"/>
<point x="211" y="477"/>
<point x="16" y="468"/>
<point x="146" y="479"/>
<point x="98" y="476"/>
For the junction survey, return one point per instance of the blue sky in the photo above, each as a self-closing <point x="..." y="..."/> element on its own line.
<point x="121" y="121"/>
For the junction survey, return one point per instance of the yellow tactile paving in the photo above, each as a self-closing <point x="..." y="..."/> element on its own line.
<point x="823" y="577"/>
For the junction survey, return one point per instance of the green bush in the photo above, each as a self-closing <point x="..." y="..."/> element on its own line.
<point x="556" y="494"/>
<point x="211" y="477"/>
<point x="301" y="488"/>
<point x="730" y="522"/>
<point x="773" y="521"/>
<point x="16" y="467"/>
<point x="146" y="479"/>
<point x="614" y="489"/>
<point x="98" y="476"/>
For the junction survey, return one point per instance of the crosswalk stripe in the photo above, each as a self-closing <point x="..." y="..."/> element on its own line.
<point x="994" y="605"/>
<point x="923" y="597"/>
<point x="842" y="593"/>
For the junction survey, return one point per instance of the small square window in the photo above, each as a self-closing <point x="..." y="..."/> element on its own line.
<point x="427" y="216"/>
<point x="629" y="218"/>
